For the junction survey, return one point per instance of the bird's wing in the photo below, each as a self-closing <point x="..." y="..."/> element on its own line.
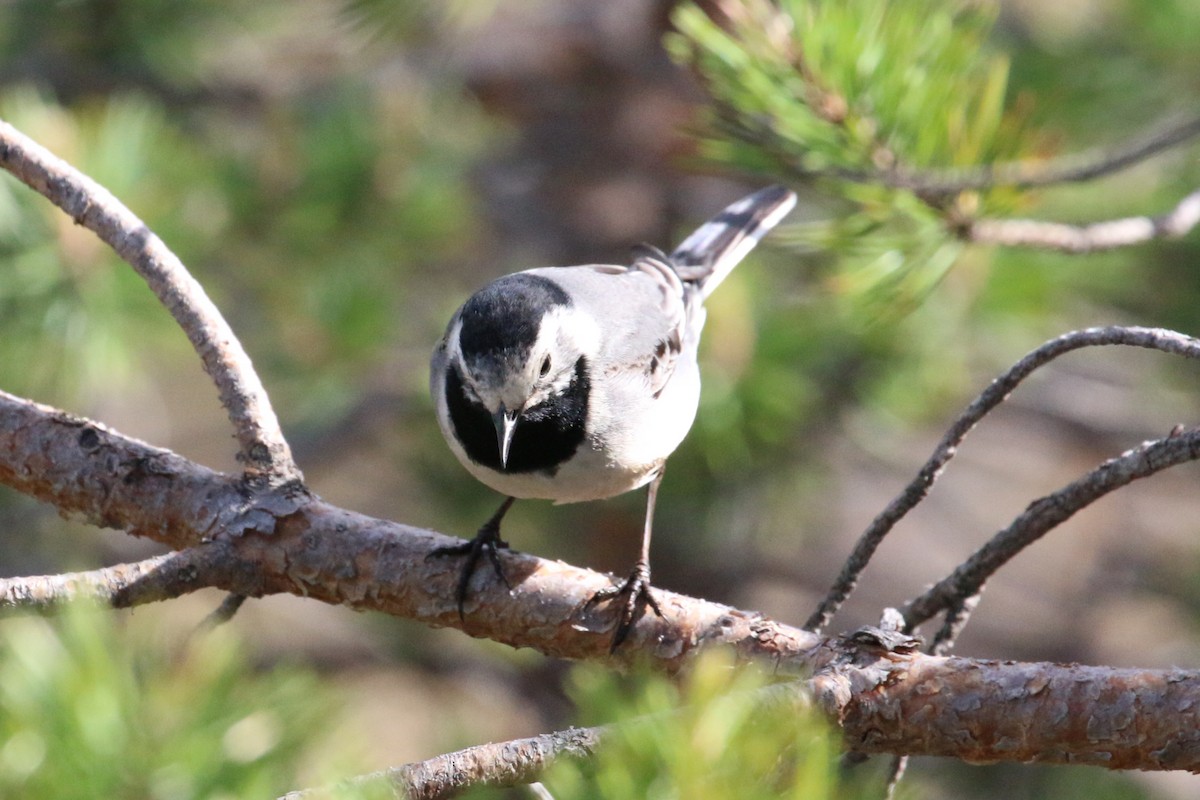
<point x="645" y="311"/>
<point x="676" y="318"/>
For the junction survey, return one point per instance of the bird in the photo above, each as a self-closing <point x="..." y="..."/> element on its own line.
<point x="576" y="383"/>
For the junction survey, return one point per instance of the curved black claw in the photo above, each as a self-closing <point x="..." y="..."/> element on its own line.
<point x="637" y="594"/>
<point x="487" y="540"/>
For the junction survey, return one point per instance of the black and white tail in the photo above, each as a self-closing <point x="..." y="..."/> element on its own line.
<point x="715" y="248"/>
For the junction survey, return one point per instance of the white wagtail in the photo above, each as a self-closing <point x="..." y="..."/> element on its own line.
<point x="577" y="383"/>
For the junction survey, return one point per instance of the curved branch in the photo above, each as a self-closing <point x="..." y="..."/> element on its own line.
<point x="1048" y="512"/>
<point x="287" y="541"/>
<point x="996" y="393"/>
<point x="121" y="586"/>
<point x="263" y="449"/>
<point x="1087" y="238"/>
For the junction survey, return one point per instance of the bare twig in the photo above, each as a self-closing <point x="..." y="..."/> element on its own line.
<point x="1086" y="166"/>
<point x="222" y="613"/>
<point x="957" y="616"/>
<point x="992" y="396"/>
<point x="495" y="764"/>
<point x="932" y="182"/>
<point x="1087" y="238"/>
<point x="896" y="771"/>
<point x="263" y="449"/>
<point x="1046" y="513"/>
<point x="121" y="586"/>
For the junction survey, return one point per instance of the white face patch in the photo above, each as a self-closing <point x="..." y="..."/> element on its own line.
<point x="565" y="335"/>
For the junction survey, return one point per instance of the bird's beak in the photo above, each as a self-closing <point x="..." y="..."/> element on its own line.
<point x="506" y="425"/>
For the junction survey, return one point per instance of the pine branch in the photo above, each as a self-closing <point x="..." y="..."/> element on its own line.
<point x="885" y="698"/>
<point x="1077" y="168"/>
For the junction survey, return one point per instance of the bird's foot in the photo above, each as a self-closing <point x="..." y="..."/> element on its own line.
<point x="636" y="594"/>
<point x="488" y="541"/>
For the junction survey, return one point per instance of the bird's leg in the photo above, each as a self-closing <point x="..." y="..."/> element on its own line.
<point x="636" y="588"/>
<point x="488" y="540"/>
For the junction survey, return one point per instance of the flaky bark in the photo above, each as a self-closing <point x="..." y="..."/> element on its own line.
<point x="985" y="711"/>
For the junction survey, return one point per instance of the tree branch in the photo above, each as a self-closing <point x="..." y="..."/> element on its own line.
<point x="264" y="451"/>
<point x="996" y="393"/>
<point x="121" y="586"/>
<point x="1086" y="238"/>
<point x="285" y="540"/>
<point x="987" y="711"/>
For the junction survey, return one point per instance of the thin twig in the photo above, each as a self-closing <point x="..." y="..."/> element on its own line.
<point x="263" y="449"/>
<point x="222" y="613"/>
<point x="494" y="764"/>
<point x="955" y="620"/>
<point x="121" y="586"/>
<point x="1086" y="166"/>
<point x="896" y="771"/>
<point x="1089" y="165"/>
<point x="1048" y="512"/>
<point x="917" y="489"/>
<point x="1087" y="238"/>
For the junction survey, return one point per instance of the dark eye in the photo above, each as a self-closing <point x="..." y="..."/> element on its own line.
<point x="545" y="366"/>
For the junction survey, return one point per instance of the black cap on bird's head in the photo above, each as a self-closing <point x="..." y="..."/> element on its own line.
<point x="503" y="319"/>
<point x="513" y="368"/>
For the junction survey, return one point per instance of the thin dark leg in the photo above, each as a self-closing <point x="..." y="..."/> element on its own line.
<point x="487" y="540"/>
<point x="636" y="588"/>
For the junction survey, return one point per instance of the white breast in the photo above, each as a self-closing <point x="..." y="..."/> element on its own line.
<point x="631" y="432"/>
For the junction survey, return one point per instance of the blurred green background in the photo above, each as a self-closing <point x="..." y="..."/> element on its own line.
<point x="341" y="175"/>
